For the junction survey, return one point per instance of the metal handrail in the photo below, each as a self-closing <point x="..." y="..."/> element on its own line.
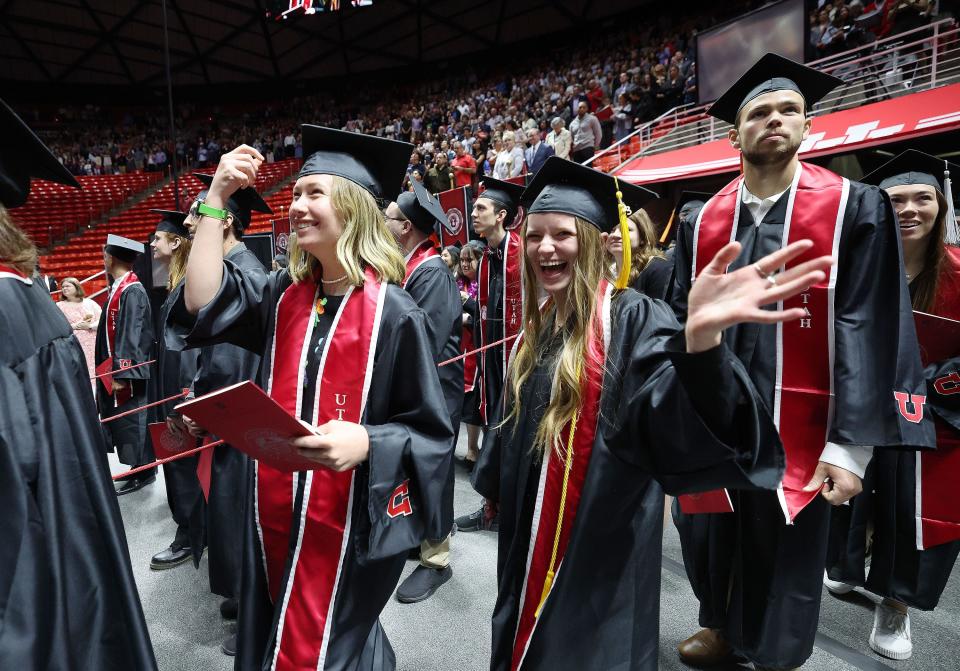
<point x="931" y="52"/>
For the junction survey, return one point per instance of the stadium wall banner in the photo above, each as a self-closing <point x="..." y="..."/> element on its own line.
<point x="456" y="204"/>
<point x="929" y="112"/>
<point x="281" y="235"/>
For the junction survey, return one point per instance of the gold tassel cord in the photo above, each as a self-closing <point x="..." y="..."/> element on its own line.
<point x="624" y="277"/>
<point x="568" y="466"/>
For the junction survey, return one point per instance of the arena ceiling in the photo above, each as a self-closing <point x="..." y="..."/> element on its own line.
<point x="110" y="42"/>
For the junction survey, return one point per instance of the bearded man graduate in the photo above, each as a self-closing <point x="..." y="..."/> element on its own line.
<point x="500" y="300"/>
<point x="67" y="595"/>
<point x="829" y="379"/>
<point x="125" y="339"/>
<point x="412" y="218"/>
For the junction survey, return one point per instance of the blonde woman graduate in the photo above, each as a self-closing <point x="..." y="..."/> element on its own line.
<point x="606" y="397"/>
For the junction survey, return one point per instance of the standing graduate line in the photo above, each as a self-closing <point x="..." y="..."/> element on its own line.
<point x="124" y="339"/>
<point x="175" y="371"/>
<point x="908" y="511"/>
<point x="346" y="350"/>
<point x="500" y="301"/>
<point x="218" y="366"/>
<point x="411" y="219"/>
<point x="607" y="397"/>
<point x="829" y="379"/>
<point x="68" y="599"/>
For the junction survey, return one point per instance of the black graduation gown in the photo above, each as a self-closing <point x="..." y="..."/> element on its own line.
<point x="410" y="433"/>
<point x="219" y="366"/>
<point x="492" y="329"/>
<point x="883" y="517"/>
<point x="175" y="372"/>
<point x="434" y="290"/>
<point x="68" y="599"/>
<point x="690" y="422"/>
<point x="757" y="578"/>
<point x="134" y="342"/>
<point x="655" y="279"/>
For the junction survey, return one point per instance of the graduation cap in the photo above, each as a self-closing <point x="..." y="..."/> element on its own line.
<point x="172" y="222"/>
<point x="916" y="167"/>
<point x="773" y="73"/>
<point x="375" y="163"/>
<point x="23" y="156"/>
<point x="506" y="193"/>
<point x="421" y="208"/>
<point x="568" y="187"/>
<point x="123" y="248"/>
<point x="688" y="204"/>
<point x="241" y="203"/>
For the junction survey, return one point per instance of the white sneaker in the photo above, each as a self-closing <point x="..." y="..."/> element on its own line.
<point x="891" y="633"/>
<point x="835" y="586"/>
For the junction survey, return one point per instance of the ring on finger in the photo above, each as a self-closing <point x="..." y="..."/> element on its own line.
<point x="771" y="280"/>
<point x="760" y="271"/>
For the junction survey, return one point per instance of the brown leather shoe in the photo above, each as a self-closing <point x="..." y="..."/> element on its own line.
<point x="705" y="648"/>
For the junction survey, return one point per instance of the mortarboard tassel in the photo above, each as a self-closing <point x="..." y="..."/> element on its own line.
<point x="951" y="231"/>
<point x="624" y="277"/>
<point x="666" y="231"/>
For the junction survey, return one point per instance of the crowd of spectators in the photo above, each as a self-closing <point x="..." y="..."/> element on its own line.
<point x="575" y="97"/>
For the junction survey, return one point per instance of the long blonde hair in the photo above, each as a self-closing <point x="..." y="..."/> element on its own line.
<point x="589" y="268"/>
<point x="365" y="240"/>
<point x="178" y="260"/>
<point x="647" y="250"/>
<point x="16" y="249"/>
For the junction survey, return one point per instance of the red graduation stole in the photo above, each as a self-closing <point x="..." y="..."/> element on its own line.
<point x="552" y="497"/>
<point x="470" y="362"/>
<point x="12" y="273"/>
<point x="113" y="312"/>
<point x="512" y="306"/>
<point x="307" y="598"/>
<point x="938" y="471"/>
<point x="423" y="253"/>
<point x="803" y="394"/>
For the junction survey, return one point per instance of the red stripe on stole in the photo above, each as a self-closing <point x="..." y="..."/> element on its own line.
<point x="275" y="488"/>
<point x="340" y="395"/>
<point x="804" y="354"/>
<point x="549" y="510"/>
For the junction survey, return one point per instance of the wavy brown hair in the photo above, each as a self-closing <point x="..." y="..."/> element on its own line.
<point x="647" y="250"/>
<point x="927" y="280"/>
<point x="16" y="249"/>
<point x="589" y="269"/>
<point x="365" y="241"/>
<point x="75" y="283"/>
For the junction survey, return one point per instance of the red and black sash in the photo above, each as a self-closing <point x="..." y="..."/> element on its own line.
<point x="938" y="471"/>
<point x="803" y="393"/>
<point x="420" y="255"/>
<point x="113" y="313"/>
<point x="470" y="362"/>
<point x="307" y="597"/>
<point x="13" y="274"/>
<point x="512" y="304"/>
<point x="546" y="514"/>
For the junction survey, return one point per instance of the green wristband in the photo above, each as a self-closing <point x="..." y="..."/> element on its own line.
<point x="205" y="210"/>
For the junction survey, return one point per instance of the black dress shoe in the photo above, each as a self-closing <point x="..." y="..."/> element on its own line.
<point x="422" y="583"/>
<point x="229" y="646"/>
<point x="137" y="483"/>
<point x="172" y="556"/>
<point x="229" y="608"/>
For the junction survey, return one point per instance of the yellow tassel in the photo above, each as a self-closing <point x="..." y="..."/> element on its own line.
<point x="624" y="277"/>
<point x="547" y="584"/>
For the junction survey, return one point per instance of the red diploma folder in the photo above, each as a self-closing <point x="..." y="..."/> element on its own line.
<point x="249" y="420"/>
<point x="106" y="367"/>
<point x="714" y="501"/>
<point x="939" y="337"/>
<point x="165" y="444"/>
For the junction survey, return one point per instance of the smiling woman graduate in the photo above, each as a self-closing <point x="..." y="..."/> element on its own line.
<point x="605" y="398"/>
<point x="346" y="350"/>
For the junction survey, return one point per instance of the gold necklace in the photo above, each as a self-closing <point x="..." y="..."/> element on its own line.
<point x="336" y="281"/>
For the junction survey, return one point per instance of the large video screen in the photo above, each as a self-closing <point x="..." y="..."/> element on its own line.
<point x="285" y="9"/>
<point x="727" y="51"/>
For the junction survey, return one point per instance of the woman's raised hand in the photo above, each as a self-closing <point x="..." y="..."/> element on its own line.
<point x="719" y="299"/>
<point x="236" y="170"/>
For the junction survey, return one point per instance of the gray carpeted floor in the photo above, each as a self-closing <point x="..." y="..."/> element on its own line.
<point x="451" y="632"/>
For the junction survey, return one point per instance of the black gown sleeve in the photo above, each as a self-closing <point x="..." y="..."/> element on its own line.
<point x="134" y="336"/>
<point x="239" y="314"/>
<point x="435" y="292"/>
<point x="656" y="278"/>
<point x="876" y="351"/>
<point x="698" y="419"/>
<point x="411" y="447"/>
<point x="682" y="271"/>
